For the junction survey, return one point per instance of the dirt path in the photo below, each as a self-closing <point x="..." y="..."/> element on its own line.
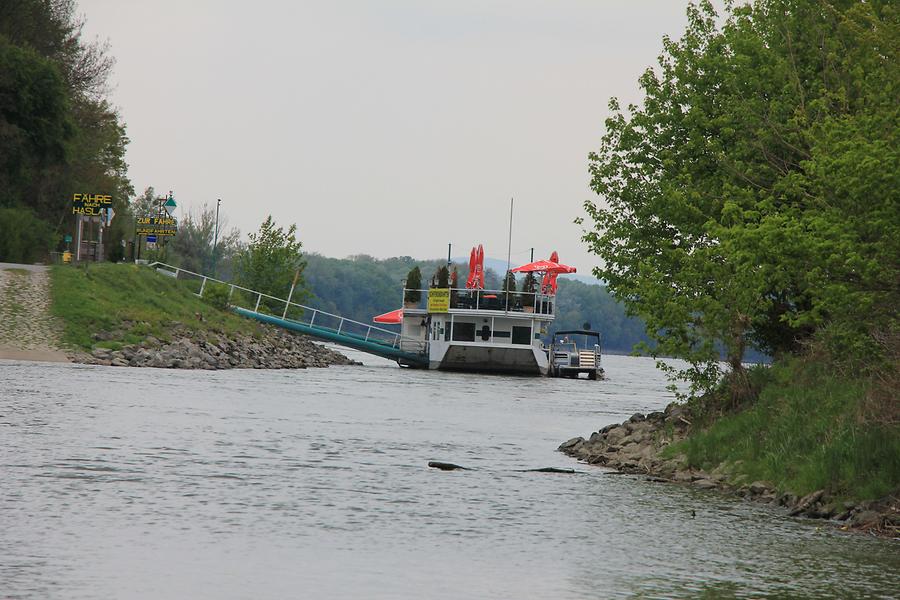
<point x="27" y="330"/>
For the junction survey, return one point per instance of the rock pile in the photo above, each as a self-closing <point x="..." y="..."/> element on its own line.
<point x="188" y="349"/>
<point x="638" y="444"/>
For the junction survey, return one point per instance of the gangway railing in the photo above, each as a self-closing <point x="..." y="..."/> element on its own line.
<point x="336" y="326"/>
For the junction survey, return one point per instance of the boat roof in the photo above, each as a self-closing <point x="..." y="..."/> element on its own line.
<point x="577" y="332"/>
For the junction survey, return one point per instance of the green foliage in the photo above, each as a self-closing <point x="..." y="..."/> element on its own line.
<point x="752" y="198"/>
<point x="270" y="262"/>
<point x="805" y="433"/>
<point x="216" y="295"/>
<point x="35" y="122"/>
<point x="58" y="134"/>
<point x="510" y="297"/>
<point x="413" y="286"/>
<point x="192" y="248"/>
<point x="579" y="303"/>
<point x="442" y="276"/>
<point x="529" y="287"/>
<point x="106" y="297"/>
<point x="23" y="237"/>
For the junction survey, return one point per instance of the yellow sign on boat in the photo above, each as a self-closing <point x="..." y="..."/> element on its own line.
<point x="439" y="300"/>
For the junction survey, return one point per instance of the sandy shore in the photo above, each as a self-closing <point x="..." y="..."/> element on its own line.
<point x="27" y="329"/>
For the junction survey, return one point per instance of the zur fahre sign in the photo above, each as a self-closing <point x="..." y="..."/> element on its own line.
<point x="156" y="226"/>
<point x="90" y="205"/>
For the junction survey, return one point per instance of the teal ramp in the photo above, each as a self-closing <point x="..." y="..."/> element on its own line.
<point x="357" y="342"/>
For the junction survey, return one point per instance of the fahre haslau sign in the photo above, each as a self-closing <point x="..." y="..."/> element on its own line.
<point x="156" y="226"/>
<point x="90" y="205"/>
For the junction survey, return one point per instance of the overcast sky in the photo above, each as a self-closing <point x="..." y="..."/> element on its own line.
<point x="387" y="128"/>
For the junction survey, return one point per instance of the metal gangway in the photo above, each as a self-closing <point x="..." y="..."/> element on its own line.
<point x="309" y="321"/>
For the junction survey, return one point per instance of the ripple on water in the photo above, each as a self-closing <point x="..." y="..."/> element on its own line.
<point x="253" y="484"/>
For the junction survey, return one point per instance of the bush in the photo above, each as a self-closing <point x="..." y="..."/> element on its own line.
<point x="216" y="295"/>
<point x="24" y="238"/>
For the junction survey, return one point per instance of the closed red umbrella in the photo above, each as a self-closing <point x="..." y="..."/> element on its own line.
<point x="394" y="317"/>
<point x="548" y="282"/>
<point x="473" y="263"/>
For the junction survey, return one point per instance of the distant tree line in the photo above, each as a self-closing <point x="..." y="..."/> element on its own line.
<point x="361" y="287"/>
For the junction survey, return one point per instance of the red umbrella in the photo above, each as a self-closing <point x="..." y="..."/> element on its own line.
<point x="394" y="317"/>
<point x="480" y="267"/>
<point x="473" y="262"/>
<point x="544" y="266"/>
<point x="548" y="282"/>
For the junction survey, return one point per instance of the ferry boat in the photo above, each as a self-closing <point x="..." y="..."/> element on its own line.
<point x="480" y="330"/>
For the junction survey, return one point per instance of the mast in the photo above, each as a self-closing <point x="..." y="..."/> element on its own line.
<point x="508" y="256"/>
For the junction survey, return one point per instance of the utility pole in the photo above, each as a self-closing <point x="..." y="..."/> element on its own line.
<point x="216" y="240"/>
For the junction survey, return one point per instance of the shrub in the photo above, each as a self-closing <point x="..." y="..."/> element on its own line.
<point x="216" y="295"/>
<point x="24" y="238"/>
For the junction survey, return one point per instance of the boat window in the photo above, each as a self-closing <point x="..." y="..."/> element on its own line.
<point x="521" y="335"/>
<point x="463" y="332"/>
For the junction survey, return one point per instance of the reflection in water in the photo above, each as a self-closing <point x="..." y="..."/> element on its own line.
<point x="144" y="483"/>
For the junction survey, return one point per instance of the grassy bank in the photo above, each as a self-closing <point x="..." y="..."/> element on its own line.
<point x="810" y="429"/>
<point x="126" y="303"/>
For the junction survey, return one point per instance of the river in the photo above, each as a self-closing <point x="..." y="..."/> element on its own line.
<point x="147" y="483"/>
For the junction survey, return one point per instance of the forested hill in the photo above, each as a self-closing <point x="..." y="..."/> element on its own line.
<point x="361" y="287"/>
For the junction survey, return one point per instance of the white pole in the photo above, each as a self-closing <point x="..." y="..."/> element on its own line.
<point x="508" y="255"/>
<point x="78" y="243"/>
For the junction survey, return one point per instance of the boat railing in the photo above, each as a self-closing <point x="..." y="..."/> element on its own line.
<point x="494" y="300"/>
<point x="288" y="310"/>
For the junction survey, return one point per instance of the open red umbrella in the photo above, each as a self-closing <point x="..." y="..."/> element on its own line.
<point x="544" y="266"/>
<point x="394" y="317"/>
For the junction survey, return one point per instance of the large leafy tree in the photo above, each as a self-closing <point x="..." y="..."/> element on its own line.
<point x="271" y="260"/>
<point x="751" y="199"/>
<point x="59" y="134"/>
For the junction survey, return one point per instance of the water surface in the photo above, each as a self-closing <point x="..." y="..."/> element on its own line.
<point x="147" y="483"/>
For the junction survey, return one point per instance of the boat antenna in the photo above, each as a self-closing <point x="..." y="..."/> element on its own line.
<point x="508" y="255"/>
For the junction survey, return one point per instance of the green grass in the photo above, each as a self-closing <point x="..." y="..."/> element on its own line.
<point x="803" y="434"/>
<point x="103" y="297"/>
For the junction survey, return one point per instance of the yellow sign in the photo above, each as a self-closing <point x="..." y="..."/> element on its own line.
<point x="90" y="204"/>
<point x="439" y="300"/>
<point x="156" y="226"/>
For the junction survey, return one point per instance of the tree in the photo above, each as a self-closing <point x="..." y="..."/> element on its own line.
<point x="74" y="140"/>
<point x="442" y="275"/>
<point x="509" y="289"/>
<point x="413" y="286"/>
<point x="748" y="200"/>
<point x="270" y="262"/>
<point x="529" y="288"/>
<point x="192" y="248"/>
